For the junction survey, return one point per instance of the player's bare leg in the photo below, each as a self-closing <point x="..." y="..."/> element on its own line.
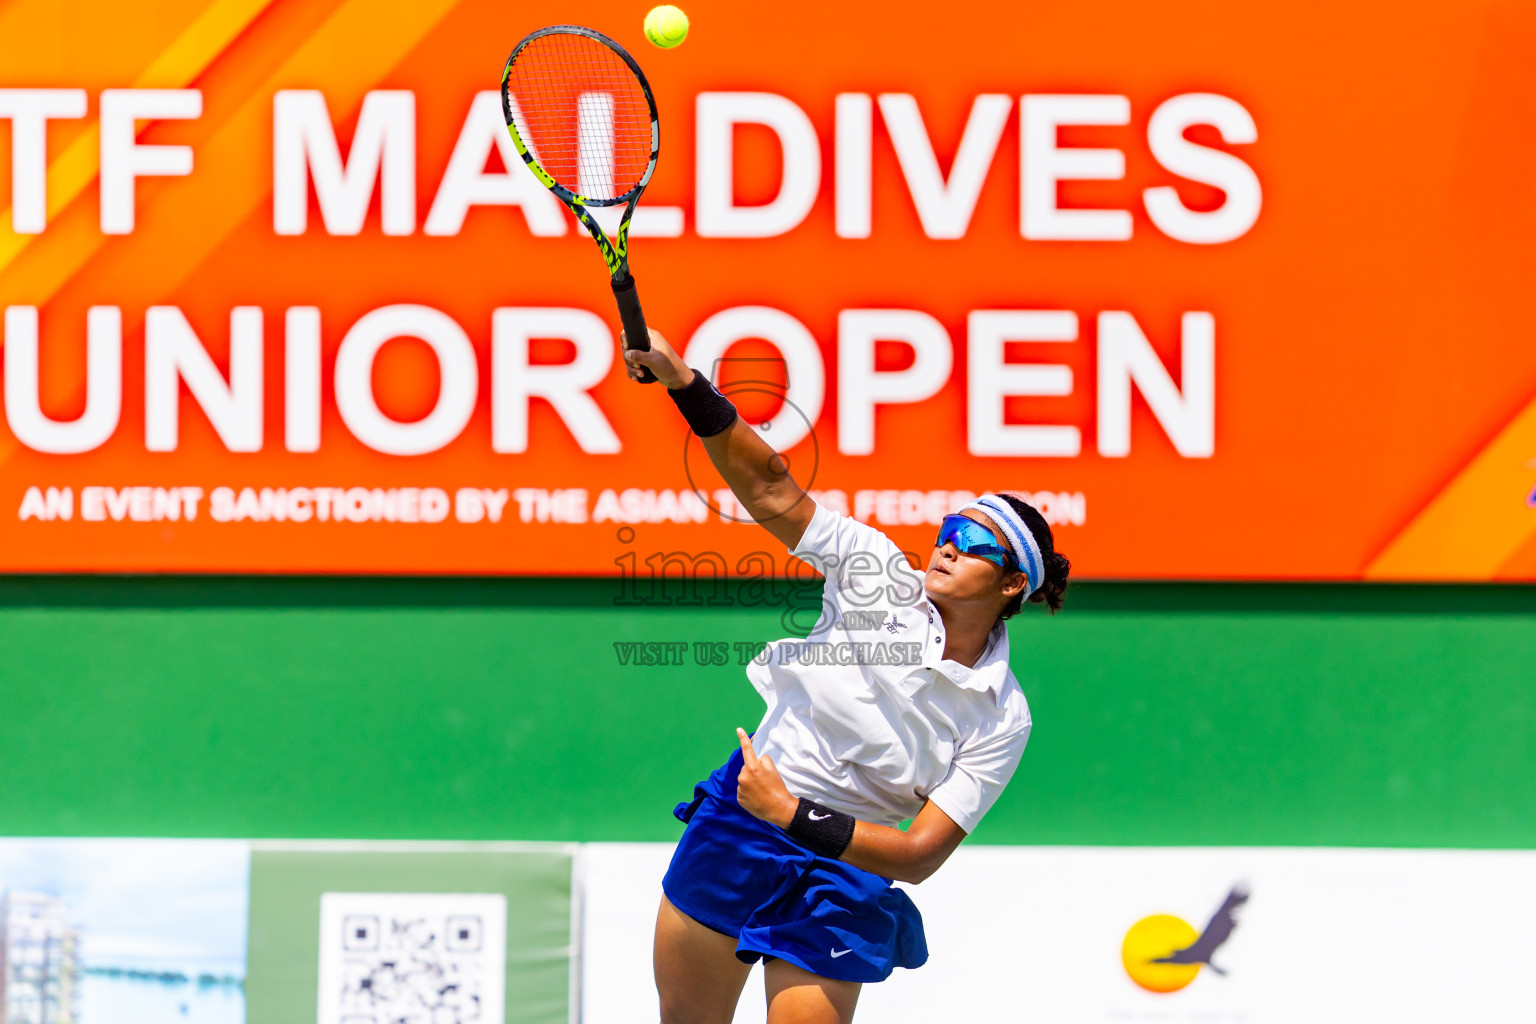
<point x="698" y="976"/>
<point x="800" y="997"/>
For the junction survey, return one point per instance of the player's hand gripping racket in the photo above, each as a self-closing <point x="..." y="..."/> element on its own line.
<point x="582" y="116"/>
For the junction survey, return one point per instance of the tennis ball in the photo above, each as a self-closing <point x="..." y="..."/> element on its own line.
<point x="666" y="26"/>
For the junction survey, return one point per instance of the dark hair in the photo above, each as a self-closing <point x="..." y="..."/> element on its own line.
<point x="1057" y="568"/>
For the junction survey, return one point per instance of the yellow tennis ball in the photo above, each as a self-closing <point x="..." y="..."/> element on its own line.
<point x="666" y="26"/>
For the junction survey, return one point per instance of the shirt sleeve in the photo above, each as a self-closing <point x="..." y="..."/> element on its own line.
<point x="978" y="774"/>
<point x="847" y="552"/>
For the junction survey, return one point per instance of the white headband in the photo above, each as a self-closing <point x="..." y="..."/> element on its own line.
<point x="1026" y="550"/>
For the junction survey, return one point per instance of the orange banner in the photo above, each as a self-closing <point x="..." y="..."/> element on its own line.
<point x="1232" y="293"/>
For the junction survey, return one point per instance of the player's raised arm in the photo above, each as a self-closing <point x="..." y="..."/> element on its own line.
<point x="756" y="474"/>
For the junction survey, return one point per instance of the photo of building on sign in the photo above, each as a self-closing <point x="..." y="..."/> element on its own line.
<point x="39" y="961"/>
<point x="113" y="931"/>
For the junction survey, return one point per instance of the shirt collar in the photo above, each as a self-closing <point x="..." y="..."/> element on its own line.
<point x="990" y="671"/>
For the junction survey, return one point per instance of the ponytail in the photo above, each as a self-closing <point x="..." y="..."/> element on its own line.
<point x="1057" y="568"/>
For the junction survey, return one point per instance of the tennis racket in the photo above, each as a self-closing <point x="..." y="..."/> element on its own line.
<point x="584" y="121"/>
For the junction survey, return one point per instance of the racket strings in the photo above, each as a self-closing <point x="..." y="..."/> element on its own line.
<point x="583" y="114"/>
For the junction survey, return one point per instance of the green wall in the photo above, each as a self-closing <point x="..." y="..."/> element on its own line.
<point x="496" y="709"/>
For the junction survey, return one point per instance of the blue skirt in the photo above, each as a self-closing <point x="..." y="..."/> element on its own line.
<point x="746" y="878"/>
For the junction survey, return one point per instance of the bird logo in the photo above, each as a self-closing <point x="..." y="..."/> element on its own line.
<point x="1163" y="953"/>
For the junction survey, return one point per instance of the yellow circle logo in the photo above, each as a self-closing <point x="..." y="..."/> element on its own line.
<point x="1153" y="938"/>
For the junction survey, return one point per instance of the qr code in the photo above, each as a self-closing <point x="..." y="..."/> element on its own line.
<point x="412" y="958"/>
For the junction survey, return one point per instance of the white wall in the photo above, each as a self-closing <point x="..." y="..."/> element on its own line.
<point x="1033" y="934"/>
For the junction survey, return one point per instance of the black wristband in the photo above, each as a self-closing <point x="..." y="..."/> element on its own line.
<point x="707" y="411"/>
<point x="821" y="829"/>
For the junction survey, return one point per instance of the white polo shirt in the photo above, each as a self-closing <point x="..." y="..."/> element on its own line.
<point x="865" y="715"/>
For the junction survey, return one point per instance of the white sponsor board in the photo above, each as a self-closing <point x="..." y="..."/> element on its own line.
<point x="1036" y="934"/>
<point x="432" y="958"/>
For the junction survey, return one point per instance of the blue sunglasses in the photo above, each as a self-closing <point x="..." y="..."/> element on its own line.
<point x="971" y="538"/>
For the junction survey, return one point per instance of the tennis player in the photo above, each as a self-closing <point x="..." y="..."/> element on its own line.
<point x="900" y="705"/>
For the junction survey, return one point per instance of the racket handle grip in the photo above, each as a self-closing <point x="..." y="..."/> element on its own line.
<point x="633" y="318"/>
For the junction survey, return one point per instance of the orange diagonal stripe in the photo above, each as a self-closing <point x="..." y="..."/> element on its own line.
<point x="187" y="57"/>
<point x="355" y="47"/>
<point x="359" y="44"/>
<point x="1478" y="522"/>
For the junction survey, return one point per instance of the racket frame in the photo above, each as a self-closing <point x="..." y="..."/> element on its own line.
<point x="616" y="250"/>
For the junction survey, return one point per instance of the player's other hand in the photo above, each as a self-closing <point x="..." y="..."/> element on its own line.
<point x="661" y="360"/>
<point x="760" y="790"/>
